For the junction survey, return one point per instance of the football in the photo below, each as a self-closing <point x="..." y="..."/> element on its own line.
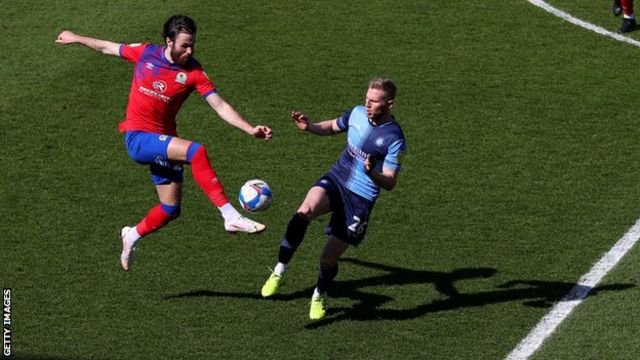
<point x="255" y="195"/>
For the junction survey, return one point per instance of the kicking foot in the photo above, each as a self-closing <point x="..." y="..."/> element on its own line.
<point x="245" y="225"/>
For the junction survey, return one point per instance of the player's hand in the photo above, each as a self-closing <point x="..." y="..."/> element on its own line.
<point x="66" y="37"/>
<point x="369" y="164"/>
<point x="301" y="120"/>
<point x="262" y="132"/>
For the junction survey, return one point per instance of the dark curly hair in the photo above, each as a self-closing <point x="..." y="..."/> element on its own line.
<point x="178" y="24"/>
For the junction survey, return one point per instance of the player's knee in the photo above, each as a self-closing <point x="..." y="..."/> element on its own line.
<point x="306" y="212"/>
<point x="193" y="149"/>
<point x="172" y="210"/>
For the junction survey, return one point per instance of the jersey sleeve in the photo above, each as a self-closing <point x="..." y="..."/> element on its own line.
<point x="343" y="120"/>
<point x="395" y="155"/>
<point x="203" y="85"/>
<point x="132" y="52"/>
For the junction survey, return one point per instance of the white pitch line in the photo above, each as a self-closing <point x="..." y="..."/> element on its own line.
<point x="545" y="328"/>
<point x="530" y="344"/>
<point x="589" y="26"/>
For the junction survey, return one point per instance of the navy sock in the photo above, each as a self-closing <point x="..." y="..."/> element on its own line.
<point x="325" y="279"/>
<point x="292" y="238"/>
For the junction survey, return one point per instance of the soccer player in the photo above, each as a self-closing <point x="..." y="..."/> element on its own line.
<point x="163" y="78"/>
<point x="625" y="7"/>
<point x="370" y="161"/>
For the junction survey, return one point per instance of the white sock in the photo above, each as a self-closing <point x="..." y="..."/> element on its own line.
<point x="229" y="213"/>
<point x="317" y="294"/>
<point x="132" y="235"/>
<point x="280" y="269"/>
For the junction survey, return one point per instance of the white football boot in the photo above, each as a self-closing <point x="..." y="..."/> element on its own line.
<point x="128" y="250"/>
<point x="245" y="225"/>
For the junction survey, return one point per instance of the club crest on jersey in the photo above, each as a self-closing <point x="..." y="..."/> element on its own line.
<point x="159" y="86"/>
<point x="181" y="78"/>
<point x="163" y="137"/>
<point x="379" y="142"/>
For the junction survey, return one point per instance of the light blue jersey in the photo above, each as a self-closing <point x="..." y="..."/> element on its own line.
<point x="385" y="142"/>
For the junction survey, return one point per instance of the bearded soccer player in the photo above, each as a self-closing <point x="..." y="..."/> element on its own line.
<point x="164" y="76"/>
<point x="371" y="160"/>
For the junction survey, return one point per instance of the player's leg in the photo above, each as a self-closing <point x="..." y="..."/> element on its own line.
<point x="151" y="149"/>
<point x="629" y="21"/>
<point x="207" y="179"/>
<point x="617" y="8"/>
<point x="315" y="204"/>
<point x="348" y="226"/>
<point x="333" y="249"/>
<point x="170" y="195"/>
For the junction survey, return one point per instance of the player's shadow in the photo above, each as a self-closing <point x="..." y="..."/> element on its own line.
<point x="369" y="305"/>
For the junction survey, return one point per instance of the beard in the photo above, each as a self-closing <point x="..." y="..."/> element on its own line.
<point x="179" y="58"/>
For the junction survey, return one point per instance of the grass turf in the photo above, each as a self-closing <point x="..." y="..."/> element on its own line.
<point x="521" y="172"/>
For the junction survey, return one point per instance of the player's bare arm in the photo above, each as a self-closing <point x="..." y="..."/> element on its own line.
<point x="327" y="127"/>
<point x="104" y="46"/>
<point x="387" y="179"/>
<point x="231" y="116"/>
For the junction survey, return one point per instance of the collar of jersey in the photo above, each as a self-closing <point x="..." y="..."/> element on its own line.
<point x="164" y="58"/>
<point x="393" y="119"/>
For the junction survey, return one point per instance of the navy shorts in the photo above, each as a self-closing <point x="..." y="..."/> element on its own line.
<point x="151" y="149"/>
<point x="350" y="212"/>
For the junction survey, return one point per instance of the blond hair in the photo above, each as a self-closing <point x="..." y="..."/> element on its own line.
<point x="385" y="84"/>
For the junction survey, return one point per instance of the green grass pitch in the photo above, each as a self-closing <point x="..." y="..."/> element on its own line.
<point x="522" y="171"/>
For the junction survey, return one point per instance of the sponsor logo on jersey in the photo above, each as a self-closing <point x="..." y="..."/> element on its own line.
<point x="149" y="92"/>
<point x="181" y="78"/>
<point x="163" y="137"/>
<point x="149" y="66"/>
<point x="356" y="152"/>
<point x="159" y="86"/>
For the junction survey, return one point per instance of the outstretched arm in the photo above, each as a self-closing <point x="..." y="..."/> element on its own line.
<point x="327" y="127"/>
<point x="230" y="115"/>
<point x="103" y="46"/>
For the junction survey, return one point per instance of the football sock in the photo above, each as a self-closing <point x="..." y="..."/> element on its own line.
<point x="229" y="213"/>
<point x="205" y="176"/>
<point x="132" y="235"/>
<point x="317" y="293"/>
<point x="156" y="218"/>
<point x="627" y="8"/>
<point x="292" y="238"/>
<point x="325" y="279"/>
<point x="280" y="269"/>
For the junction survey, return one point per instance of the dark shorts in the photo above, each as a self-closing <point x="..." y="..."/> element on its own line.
<point x="151" y="149"/>
<point x="350" y="212"/>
